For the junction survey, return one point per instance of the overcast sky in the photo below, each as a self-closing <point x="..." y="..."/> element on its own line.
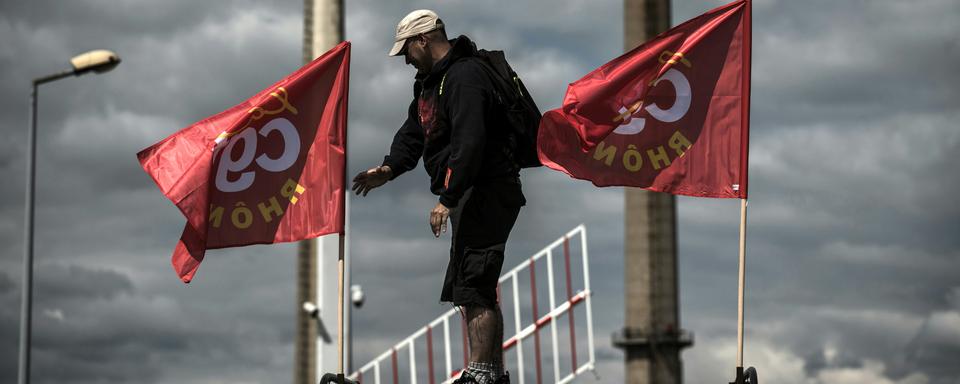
<point x="853" y="247"/>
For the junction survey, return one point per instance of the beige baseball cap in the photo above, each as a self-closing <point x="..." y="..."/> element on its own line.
<point x="414" y="23"/>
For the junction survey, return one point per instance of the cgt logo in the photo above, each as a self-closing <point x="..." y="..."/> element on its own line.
<point x="277" y="131"/>
<point x="629" y="118"/>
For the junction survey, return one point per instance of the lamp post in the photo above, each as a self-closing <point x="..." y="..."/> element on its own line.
<point x="98" y="61"/>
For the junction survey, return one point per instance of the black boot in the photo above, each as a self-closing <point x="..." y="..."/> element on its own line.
<point x="465" y="378"/>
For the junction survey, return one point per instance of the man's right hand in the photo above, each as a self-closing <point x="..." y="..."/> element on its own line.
<point x="371" y="178"/>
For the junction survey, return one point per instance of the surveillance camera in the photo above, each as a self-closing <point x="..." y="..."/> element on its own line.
<point x="356" y="295"/>
<point x="311" y="309"/>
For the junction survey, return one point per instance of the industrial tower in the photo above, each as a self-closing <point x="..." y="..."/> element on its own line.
<point x="315" y="349"/>
<point x="651" y="337"/>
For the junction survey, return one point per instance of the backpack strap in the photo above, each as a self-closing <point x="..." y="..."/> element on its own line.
<point x="486" y="67"/>
<point x="442" y="80"/>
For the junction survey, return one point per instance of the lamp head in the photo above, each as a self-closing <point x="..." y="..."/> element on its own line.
<point x="98" y="61"/>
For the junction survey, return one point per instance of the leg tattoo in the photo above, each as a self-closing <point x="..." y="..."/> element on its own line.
<point x="485" y="331"/>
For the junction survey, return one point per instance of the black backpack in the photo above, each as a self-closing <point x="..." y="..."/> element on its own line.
<point x="522" y="114"/>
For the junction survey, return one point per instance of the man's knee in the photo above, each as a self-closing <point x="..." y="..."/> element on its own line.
<point x="475" y="311"/>
<point x="477" y="277"/>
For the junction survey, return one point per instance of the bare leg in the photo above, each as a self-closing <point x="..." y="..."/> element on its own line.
<point x="485" y="330"/>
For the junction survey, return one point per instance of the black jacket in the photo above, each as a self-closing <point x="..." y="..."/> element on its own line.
<point x="456" y="124"/>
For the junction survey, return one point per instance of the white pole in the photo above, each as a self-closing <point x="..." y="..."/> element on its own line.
<point x="516" y="322"/>
<point x="586" y="288"/>
<point x="413" y="363"/>
<point x="446" y="346"/>
<point x="553" y="324"/>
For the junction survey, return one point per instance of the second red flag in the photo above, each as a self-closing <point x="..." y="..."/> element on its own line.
<point x="672" y="115"/>
<point x="270" y="169"/>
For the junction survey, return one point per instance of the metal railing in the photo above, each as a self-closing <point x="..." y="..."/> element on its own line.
<point x="373" y="369"/>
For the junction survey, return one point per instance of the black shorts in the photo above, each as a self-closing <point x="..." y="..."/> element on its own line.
<point x="481" y="224"/>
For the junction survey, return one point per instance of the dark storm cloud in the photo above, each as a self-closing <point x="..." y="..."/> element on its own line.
<point x="816" y="67"/>
<point x="115" y="339"/>
<point x="937" y="342"/>
<point x="852" y="242"/>
<point x="819" y="360"/>
<point x="69" y="283"/>
<point x="849" y="164"/>
<point x="96" y="207"/>
<point x="6" y="284"/>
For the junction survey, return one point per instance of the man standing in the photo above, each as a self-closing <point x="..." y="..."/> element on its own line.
<point x="456" y="124"/>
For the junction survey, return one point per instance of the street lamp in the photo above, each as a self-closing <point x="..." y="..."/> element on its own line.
<point x="98" y="61"/>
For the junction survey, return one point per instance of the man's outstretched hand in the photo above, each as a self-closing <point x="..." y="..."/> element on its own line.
<point x="438" y="219"/>
<point x="371" y="178"/>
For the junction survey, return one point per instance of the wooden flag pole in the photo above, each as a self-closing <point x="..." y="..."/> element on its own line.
<point x="340" y="274"/>
<point x="743" y="237"/>
<point x="341" y="378"/>
<point x="748" y="37"/>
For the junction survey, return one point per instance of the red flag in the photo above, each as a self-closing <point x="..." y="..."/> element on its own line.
<point x="672" y="115"/>
<point x="270" y="169"/>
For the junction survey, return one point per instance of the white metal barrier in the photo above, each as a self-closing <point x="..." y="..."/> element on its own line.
<point x="523" y="331"/>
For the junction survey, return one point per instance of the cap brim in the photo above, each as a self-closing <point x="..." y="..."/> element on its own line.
<point x="397" y="48"/>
